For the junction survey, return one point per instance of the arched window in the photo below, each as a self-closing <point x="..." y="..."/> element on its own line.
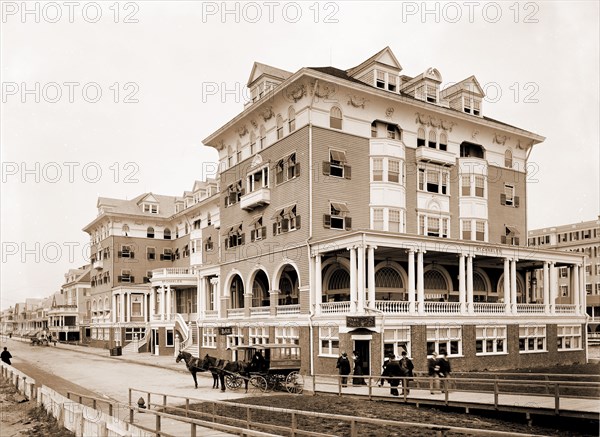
<point x="335" y="118"/>
<point x="262" y="142"/>
<point x="508" y="158"/>
<point x="388" y="277"/>
<point x="126" y="230"/>
<point x="279" y="127"/>
<point x="443" y="141"/>
<point x="167" y="234"/>
<point x="291" y="119"/>
<point x="432" y="139"/>
<point x="420" y="137"/>
<point x="150" y="232"/>
<point x="435" y="280"/>
<point x="339" y="280"/>
<point x="479" y="282"/>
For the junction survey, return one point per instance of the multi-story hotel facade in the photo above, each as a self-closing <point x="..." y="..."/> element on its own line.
<point x="367" y="210"/>
<point x="582" y="238"/>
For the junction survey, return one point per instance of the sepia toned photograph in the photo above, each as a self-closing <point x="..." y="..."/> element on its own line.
<point x="279" y="218"/>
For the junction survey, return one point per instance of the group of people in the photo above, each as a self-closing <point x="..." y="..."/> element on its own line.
<point x="397" y="371"/>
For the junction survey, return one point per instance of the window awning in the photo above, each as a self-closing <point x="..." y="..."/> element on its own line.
<point x="340" y="207"/>
<point x="255" y="220"/>
<point x="511" y="230"/>
<point x="278" y="213"/>
<point x="288" y="210"/>
<point x="336" y="155"/>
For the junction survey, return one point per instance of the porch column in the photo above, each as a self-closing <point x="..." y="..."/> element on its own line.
<point x="546" y="288"/>
<point x="461" y="284"/>
<point x="215" y="290"/>
<point x="201" y="300"/>
<point x="470" y="308"/>
<point x="582" y="285"/>
<point x="162" y="302"/>
<point x="122" y="307"/>
<point x="507" y="285"/>
<point x="371" y="275"/>
<point x="168" y="302"/>
<point x="513" y="285"/>
<point x="353" y="291"/>
<point x="361" y="279"/>
<point x="575" y="290"/>
<point x="420" y="283"/>
<point x="128" y="306"/>
<point x="114" y="308"/>
<point x="318" y="286"/>
<point x="553" y="287"/>
<point x="144" y="306"/>
<point x="411" y="281"/>
<point x="152" y="309"/>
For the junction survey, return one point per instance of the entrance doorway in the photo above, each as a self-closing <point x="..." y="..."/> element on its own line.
<point x="363" y="349"/>
<point x="155" y="342"/>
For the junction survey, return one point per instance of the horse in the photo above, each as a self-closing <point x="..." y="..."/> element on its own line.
<point x="223" y="367"/>
<point x="194" y="364"/>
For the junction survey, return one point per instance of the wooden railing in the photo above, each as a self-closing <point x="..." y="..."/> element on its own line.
<point x="392" y="306"/>
<point x="335" y="307"/>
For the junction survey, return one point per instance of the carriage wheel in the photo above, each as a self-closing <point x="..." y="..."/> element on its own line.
<point x="271" y="382"/>
<point x="294" y="383"/>
<point x="233" y="382"/>
<point x="257" y="384"/>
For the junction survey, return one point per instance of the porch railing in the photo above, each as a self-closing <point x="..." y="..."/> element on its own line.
<point x="335" y="307"/>
<point x="282" y="310"/>
<point x="235" y="313"/>
<point x="442" y="307"/>
<point x="489" y="308"/>
<point x="260" y="311"/>
<point x="531" y="308"/>
<point x="211" y="314"/>
<point x="565" y="309"/>
<point x="392" y="306"/>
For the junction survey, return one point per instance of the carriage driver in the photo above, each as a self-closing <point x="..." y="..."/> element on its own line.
<point x="258" y="362"/>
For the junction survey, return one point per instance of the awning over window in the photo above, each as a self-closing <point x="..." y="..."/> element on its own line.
<point x="288" y="210"/>
<point x="255" y="220"/>
<point x="336" y="155"/>
<point x="340" y="207"/>
<point x="511" y="230"/>
<point x="278" y="213"/>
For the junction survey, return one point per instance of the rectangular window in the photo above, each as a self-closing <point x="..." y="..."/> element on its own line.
<point x="258" y="335"/>
<point x="394" y="220"/>
<point x="337" y="217"/>
<point x="209" y="337"/>
<point x="293" y="167"/>
<point x="467" y="104"/>
<point x="151" y="253"/>
<point x="444" y="340"/>
<point x="380" y="80"/>
<point x="391" y="83"/>
<point x="235" y="338"/>
<point x="490" y="340"/>
<point x="378" y="219"/>
<point x="509" y="193"/>
<point x="329" y="341"/>
<point x="337" y="164"/>
<point x="287" y="335"/>
<point x="169" y="337"/>
<point x="564" y="290"/>
<point x="479" y="185"/>
<point x="377" y="169"/>
<point x="480" y="230"/>
<point x="465" y="185"/>
<point x="562" y="271"/>
<point x="395" y="341"/>
<point x="136" y="305"/>
<point x="568" y="337"/>
<point x="134" y="333"/>
<point x="394" y="171"/>
<point x="532" y="338"/>
<point x="431" y="94"/>
<point x="476" y="107"/>
<point x="466" y="229"/>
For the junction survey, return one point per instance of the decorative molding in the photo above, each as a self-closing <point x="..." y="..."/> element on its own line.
<point x="430" y="120"/>
<point x="500" y="139"/>
<point x="421" y="119"/>
<point x="243" y="130"/>
<point x="254" y="124"/>
<point x="267" y="113"/>
<point x="434" y="122"/>
<point x="474" y="134"/>
<point x="256" y="161"/>
<point x="389" y="112"/>
<point x="296" y="93"/>
<point x="357" y="101"/>
<point x="447" y="125"/>
<point x="221" y="144"/>
<point x="323" y="90"/>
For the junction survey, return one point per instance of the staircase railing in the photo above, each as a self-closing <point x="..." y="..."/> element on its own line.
<point x="185" y="331"/>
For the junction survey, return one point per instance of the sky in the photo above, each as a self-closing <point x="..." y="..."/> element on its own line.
<point x="114" y="99"/>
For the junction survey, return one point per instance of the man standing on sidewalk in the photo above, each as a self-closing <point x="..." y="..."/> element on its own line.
<point x="5" y="356"/>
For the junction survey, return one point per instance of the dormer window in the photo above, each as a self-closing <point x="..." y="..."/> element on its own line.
<point x="471" y="105"/>
<point x="150" y="208"/>
<point x="431" y="96"/>
<point x="387" y="81"/>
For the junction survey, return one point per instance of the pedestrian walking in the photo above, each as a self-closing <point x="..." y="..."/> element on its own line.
<point x="386" y="360"/>
<point x="343" y="366"/>
<point x="358" y="371"/>
<point x="407" y="367"/>
<point x="445" y="369"/>
<point x="433" y="368"/>
<point x="393" y="371"/>
<point x="5" y="356"/>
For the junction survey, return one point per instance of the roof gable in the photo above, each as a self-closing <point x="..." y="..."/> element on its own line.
<point x="470" y="84"/>
<point x="259" y="70"/>
<point x="384" y="57"/>
<point x="149" y="198"/>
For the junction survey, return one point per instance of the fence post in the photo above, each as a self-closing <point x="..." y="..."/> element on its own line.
<point x="314" y="378"/>
<point x="248" y="417"/>
<point x="496" y="392"/>
<point x="157" y="423"/>
<point x="294" y="424"/>
<point x="556" y="398"/>
<point x="353" y="428"/>
<point x="193" y="430"/>
<point x="445" y="382"/>
<point x="129" y="395"/>
<point x="130" y="414"/>
<point x="214" y="412"/>
<point x="339" y="378"/>
<point x="187" y="407"/>
<point x="370" y="387"/>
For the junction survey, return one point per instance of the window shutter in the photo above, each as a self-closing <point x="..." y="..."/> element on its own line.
<point x="242" y="192"/>
<point x="503" y="239"/>
<point x="347" y="172"/>
<point x="131" y="279"/>
<point x="285" y="224"/>
<point x="243" y="238"/>
<point x="131" y="255"/>
<point x="232" y="197"/>
<point x="120" y="254"/>
<point x="298" y="222"/>
<point x="252" y="235"/>
<point x="119" y="278"/>
<point x="279" y="177"/>
<point x="274" y="229"/>
<point x="297" y="169"/>
<point x="326" y="168"/>
<point x="327" y="220"/>
<point x="226" y="201"/>
<point x="348" y="221"/>
<point x="162" y="257"/>
<point x="516" y="201"/>
<point x="263" y="231"/>
<point x="502" y="199"/>
<point x="227" y="243"/>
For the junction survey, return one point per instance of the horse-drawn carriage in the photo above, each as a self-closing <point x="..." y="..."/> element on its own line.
<point x="278" y="364"/>
<point x="38" y="341"/>
<point x="258" y="367"/>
